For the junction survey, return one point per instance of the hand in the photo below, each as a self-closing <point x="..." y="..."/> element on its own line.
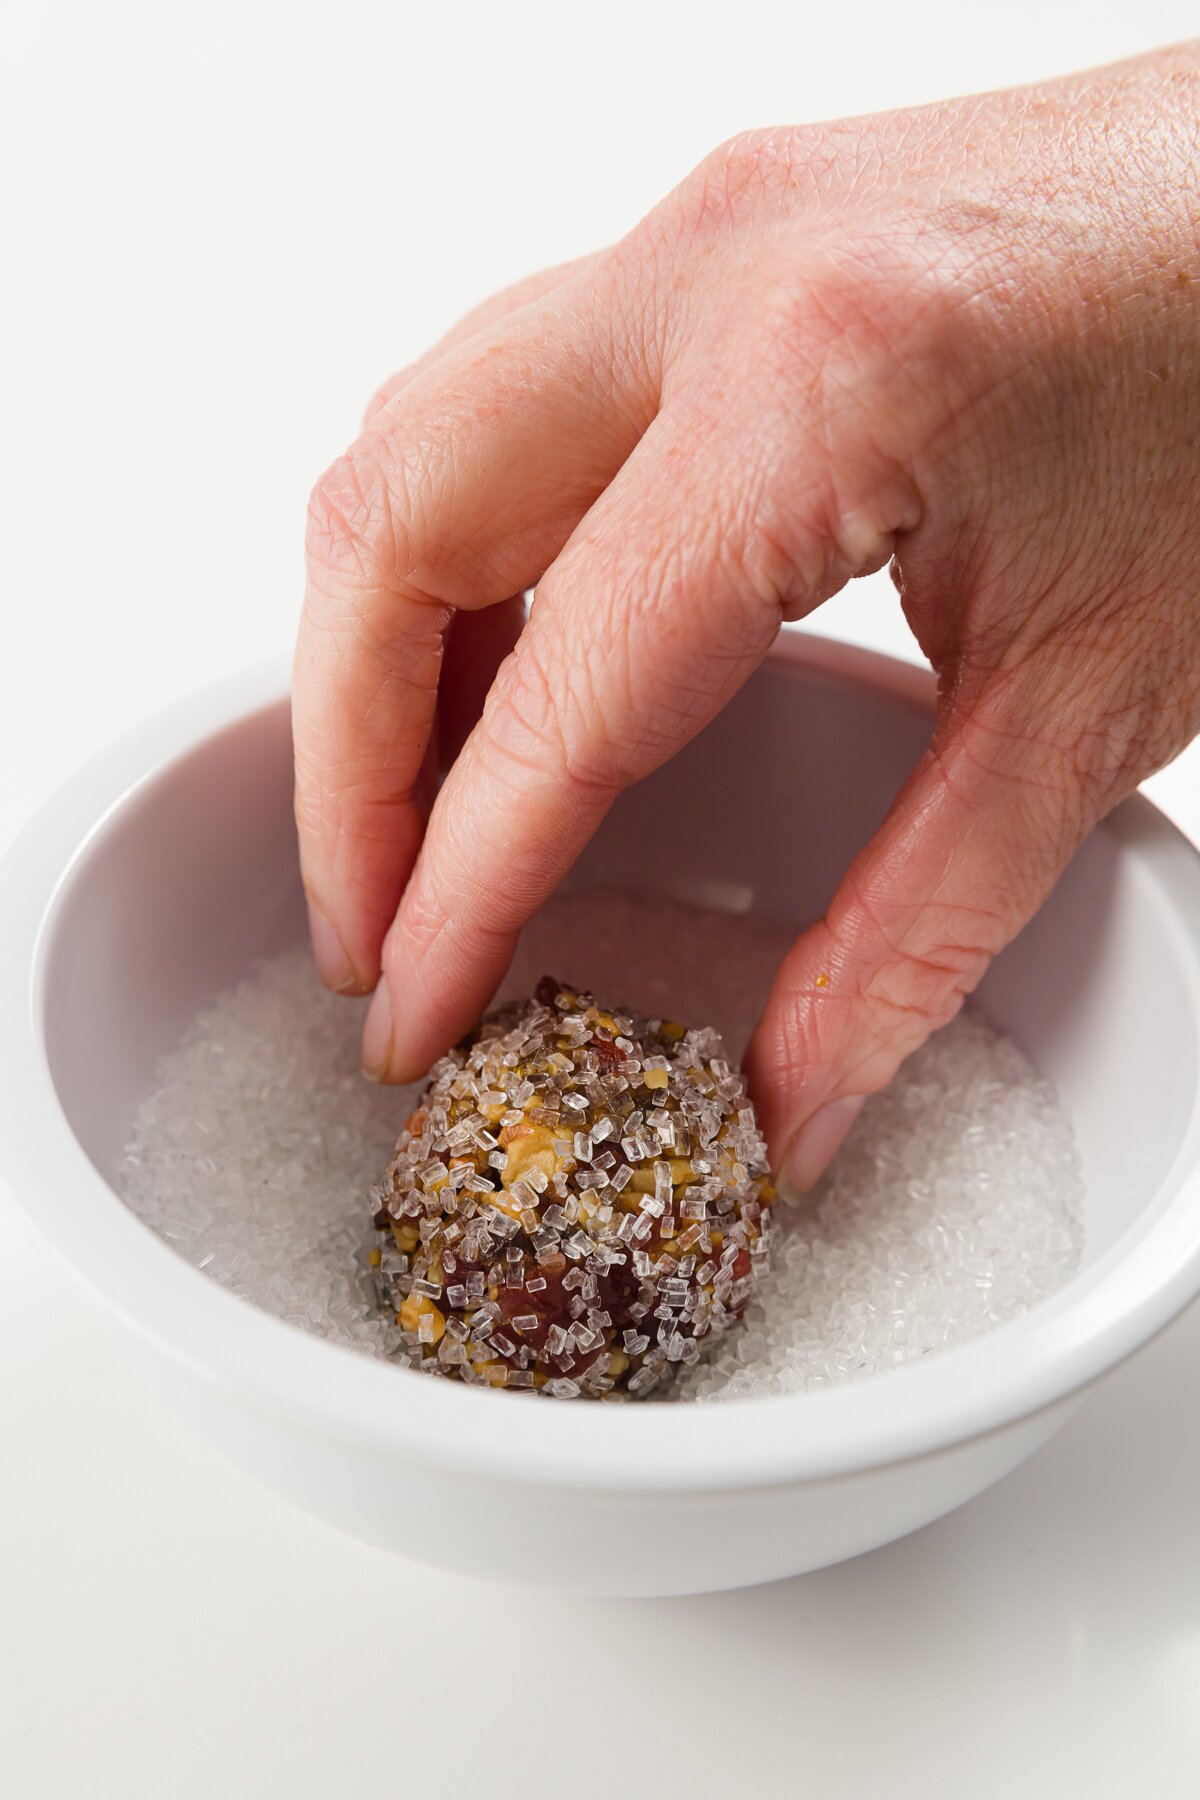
<point x="966" y="339"/>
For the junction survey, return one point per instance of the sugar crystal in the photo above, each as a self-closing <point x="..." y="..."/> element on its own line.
<point x="955" y="1205"/>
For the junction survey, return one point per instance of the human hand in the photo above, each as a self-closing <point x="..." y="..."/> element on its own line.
<point x="964" y="338"/>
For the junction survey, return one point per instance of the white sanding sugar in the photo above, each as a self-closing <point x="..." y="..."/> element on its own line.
<point x="955" y="1205"/>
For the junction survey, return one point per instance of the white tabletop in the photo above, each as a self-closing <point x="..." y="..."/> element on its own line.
<point x="228" y="225"/>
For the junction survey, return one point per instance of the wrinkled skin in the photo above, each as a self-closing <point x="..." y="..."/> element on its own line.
<point x="965" y="339"/>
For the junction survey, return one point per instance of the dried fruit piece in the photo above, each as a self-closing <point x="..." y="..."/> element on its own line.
<point x="603" y="1234"/>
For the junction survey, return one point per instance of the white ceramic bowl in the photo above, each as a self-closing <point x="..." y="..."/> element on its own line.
<point x="168" y="866"/>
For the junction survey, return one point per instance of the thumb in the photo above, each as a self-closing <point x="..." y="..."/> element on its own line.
<point x="971" y="847"/>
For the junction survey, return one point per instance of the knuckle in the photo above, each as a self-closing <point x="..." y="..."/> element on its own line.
<point x="819" y="1032"/>
<point x="921" y="960"/>
<point x="536" y="720"/>
<point x="785" y="558"/>
<point x="861" y="1013"/>
<point x="383" y="396"/>
<point x="705" y="211"/>
<point x="352" y="532"/>
<point x="422" y="921"/>
<point x="747" y="169"/>
<point x="707" y="208"/>
<point x="353" y="833"/>
<point x="521" y="716"/>
<point x="819" y="172"/>
<point x="728" y="178"/>
<point x="309" y="810"/>
<point x="806" y="1037"/>
<point x="452" y="910"/>
<point x="920" y="990"/>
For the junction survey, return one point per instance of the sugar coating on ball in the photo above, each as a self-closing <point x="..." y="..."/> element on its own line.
<point x="577" y="1206"/>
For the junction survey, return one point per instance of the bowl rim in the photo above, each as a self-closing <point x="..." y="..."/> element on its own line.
<point x="340" y="1396"/>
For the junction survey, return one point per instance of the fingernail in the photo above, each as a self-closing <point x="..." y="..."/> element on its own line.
<point x="377" y="1035"/>
<point x="333" y="965"/>
<point x="818" y="1141"/>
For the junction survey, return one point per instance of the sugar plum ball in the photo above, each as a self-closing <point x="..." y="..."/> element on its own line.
<point x="578" y="1205"/>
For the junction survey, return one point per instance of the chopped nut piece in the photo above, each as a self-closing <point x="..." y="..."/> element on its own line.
<point x="528" y="1147"/>
<point x="550" y="1239"/>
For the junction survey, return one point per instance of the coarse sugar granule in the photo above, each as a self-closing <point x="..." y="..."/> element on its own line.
<point x="483" y="1185"/>
<point x="955" y="1205"/>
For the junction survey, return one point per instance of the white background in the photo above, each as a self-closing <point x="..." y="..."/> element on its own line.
<point x="224" y="225"/>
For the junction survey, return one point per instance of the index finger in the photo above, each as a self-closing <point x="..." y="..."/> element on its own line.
<point x="639" y="635"/>
<point x="457" y="495"/>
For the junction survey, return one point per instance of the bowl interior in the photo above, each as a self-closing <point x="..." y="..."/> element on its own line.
<point x="193" y="878"/>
